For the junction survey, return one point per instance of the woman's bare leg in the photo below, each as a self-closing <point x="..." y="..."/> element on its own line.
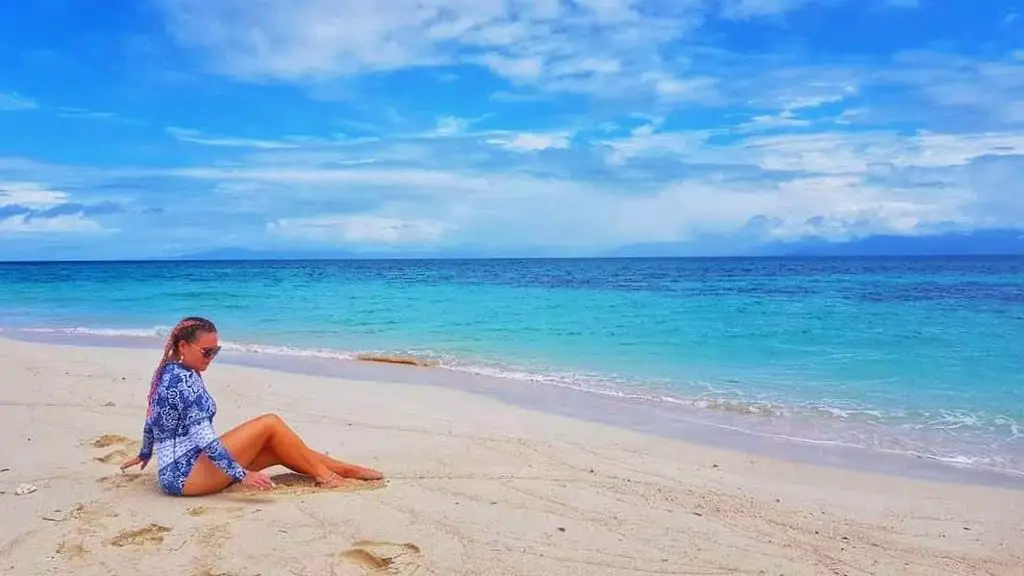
<point x="269" y="440"/>
<point x="268" y="458"/>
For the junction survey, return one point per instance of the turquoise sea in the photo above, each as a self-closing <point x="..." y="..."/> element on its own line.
<point x="916" y="356"/>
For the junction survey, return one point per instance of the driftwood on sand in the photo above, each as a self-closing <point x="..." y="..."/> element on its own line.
<point x="407" y="360"/>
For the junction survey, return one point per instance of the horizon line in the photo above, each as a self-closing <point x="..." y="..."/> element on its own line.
<point x="455" y="258"/>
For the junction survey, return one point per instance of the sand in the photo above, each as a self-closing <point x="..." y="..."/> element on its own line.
<point x="473" y="486"/>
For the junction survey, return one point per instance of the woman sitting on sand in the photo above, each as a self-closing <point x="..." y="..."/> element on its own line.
<point x="191" y="459"/>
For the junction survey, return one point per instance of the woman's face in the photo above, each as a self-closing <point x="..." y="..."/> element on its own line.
<point x="198" y="355"/>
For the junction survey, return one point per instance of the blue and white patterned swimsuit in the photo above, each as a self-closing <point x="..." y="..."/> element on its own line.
<point x="180" y="427"/>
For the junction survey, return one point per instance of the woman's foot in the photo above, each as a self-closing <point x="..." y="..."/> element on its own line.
<point x="332" y="480"/>
<point x="360" y="473"/>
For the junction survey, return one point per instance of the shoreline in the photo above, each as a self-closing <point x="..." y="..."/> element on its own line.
<point x="663" y="421"/>
<point x="473" y="486"/>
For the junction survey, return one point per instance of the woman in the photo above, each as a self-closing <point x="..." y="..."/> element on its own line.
<point x="191" y="459"/>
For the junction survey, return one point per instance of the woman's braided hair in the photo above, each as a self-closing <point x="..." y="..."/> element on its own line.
<point x="186" y="331"/>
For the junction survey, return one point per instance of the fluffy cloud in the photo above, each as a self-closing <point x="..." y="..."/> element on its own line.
<point x="359" y="229"/>
<point x="30" y="195"/>
<point x="663" y="187"/>
<point x="449" y="125"/>
<point x="531" y="142"/>
<point x="620" y="49"/>
<point x="989" y="91"/>
<point x="28" y="207"/>
<point x="838" y="185"/>
<point x="578" y="46"/>
<point x="198" y="137"/>
<point x="58" y="224"/>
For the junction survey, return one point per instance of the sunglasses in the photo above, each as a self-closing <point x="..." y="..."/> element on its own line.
<point x="209" y="353"/>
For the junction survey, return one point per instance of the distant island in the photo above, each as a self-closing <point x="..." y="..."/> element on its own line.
<point x="988" y="242"/>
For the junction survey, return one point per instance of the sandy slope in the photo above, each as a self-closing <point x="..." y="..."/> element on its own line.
<point x="474" y="487"/>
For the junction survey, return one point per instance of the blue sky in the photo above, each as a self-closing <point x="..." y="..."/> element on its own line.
<point x="159" y="127"/>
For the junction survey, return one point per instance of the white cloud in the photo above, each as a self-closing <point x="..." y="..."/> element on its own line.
<point x="365" y="229"/>
<point x="198" y="137"/>
<point x="784" y="119"/>
<point x="678" y="90"/>
<point x="451" y="125"/>
<point x="33" y="208"/>
<point x="63" y="224"/>
<point x="74" y="112"/>
<point x="638" y="50"/>
<point x="819" y="152"/>
<point x="665" y="186"/>
<point x="828" y="206"/>
<point x="833" y="184"/>
<point x="991" y="88"/>
<point x="532" y="141"/>
<point x="505" y="209"/>
<point x="410" y="179"/>
<point x="581" y="45"/>
<point x="14" y="102"/>
<point x="524" y="70"/>
<point x="30" y="195"/>
<point x="817" y="94"/>
<point x="644" y="141"/>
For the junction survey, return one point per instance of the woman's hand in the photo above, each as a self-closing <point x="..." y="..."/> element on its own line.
<point x="134" y="461"/>
<point x="257" y="480"/>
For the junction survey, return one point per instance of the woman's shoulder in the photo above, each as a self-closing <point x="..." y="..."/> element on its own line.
<point x="175" y="374"/>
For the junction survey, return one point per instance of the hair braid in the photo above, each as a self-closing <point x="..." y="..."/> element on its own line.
<point x="185" y="331"/>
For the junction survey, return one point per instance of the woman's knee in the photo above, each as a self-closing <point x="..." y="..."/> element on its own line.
<point x="271" y="420"/>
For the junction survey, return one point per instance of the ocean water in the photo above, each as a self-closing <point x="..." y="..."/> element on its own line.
<point x="917" y="356"/>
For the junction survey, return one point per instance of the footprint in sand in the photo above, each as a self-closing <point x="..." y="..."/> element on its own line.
<point x="122" y="480"/>
<point x="383" y="556"/>
<point x="220" y="511"/>
<point x="108" y="440"/>
<point x="211" y="540"/>
<point x="72" y="550"/>
<point x="152" y="534"/>
<point x="124" y="448"/>
<point x="115" y="457"/>
<point x="87" y="519"/>
<point x="196" y="511"/>
<point x="88" y="513"/>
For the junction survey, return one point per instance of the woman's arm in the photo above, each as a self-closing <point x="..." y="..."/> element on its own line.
<point x="201" y="430"/>
<point x="187" y="395"/>
<point x="146" y="451"/>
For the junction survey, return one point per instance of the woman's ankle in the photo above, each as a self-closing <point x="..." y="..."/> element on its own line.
<point x="325" y="475"/>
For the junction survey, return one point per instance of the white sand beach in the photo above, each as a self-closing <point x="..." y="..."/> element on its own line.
<point x="474" y="487"/>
